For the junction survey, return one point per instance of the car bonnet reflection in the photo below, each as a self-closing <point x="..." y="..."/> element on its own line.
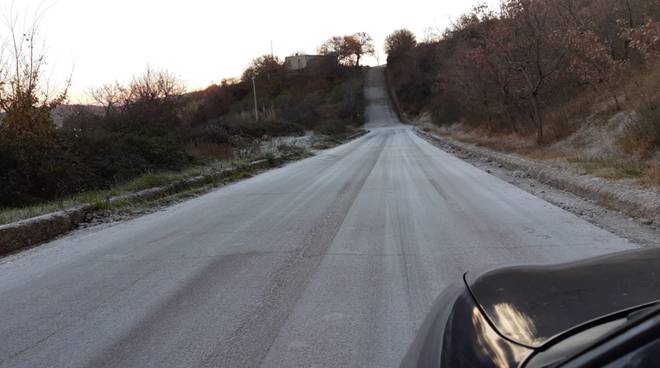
<point x="491" y="344"/>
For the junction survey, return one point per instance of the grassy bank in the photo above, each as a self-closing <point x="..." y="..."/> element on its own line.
<point x="150" y="180"/>
<point x="585" y="151"/>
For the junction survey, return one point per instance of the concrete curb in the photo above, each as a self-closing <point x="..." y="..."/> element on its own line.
<point x="36" y="230"/>
<point x="631" y="201"/>
<point x="357" y="135"/>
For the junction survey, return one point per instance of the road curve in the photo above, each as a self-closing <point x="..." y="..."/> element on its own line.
<point x="328" y="262"/>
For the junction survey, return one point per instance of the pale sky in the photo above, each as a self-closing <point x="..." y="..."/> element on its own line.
<point x="205" y="41"/>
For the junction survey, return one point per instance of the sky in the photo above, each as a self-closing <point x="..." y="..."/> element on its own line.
<point x="205" y="41"/>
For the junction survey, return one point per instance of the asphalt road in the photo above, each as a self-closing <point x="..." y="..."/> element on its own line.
<point x="328" y="262"/>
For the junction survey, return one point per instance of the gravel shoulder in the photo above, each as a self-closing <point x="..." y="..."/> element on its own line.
<point x="640" y="231"/>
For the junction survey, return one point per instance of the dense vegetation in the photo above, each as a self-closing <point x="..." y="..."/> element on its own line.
<point x="152" y="124"/>
<point x="535" y="67"/>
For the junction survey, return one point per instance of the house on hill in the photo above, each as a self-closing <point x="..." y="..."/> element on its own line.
<point x="300" y="61"/>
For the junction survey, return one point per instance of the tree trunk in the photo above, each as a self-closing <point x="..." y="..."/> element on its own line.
<point x="631" y="24"/>
<point x="538" y="118"/>
<point x="616" y="102"/>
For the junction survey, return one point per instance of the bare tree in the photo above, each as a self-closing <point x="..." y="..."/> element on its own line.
<point x="109" y="96"/>
<point x="152" y="100"/>
<point x="25" y="97"/>
<point x="155" y="85"/>
<point x="534" y="52"/>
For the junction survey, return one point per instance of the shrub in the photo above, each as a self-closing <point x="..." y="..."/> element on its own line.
<point x="119" y="157"/>
<point x="70" y="162"/>
<point x="292" y="150"/>
<point x="333" y="127"/>
<point x="261" y="128"/>
<point x="304" y="111"/>
<point x="40" y="168"/>
<point x="643" y="136"/>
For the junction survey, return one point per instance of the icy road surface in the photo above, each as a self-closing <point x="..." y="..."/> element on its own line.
<point x="328" y="262"/>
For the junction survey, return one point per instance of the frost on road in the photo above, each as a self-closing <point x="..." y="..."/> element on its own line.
<point x="331" y="261"/>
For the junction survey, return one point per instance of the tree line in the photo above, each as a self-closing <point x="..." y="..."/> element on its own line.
<point x="508" y="69"/>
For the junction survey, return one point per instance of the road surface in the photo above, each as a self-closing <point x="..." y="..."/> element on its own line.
<point x="328" y="262"/>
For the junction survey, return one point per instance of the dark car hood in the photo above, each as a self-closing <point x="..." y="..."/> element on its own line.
<point x="529" y="305"/>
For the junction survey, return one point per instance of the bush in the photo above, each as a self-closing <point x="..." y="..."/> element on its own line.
<point x="259" y="129"/>
<point x="643" y="136"/>
<point x="67" y="163"/>
<point x="292" y="150"/>
<point x="213" y="133"/>
<point x="447" y="112"/>
<point x="119" y="157"/>
<point x="37" y="168"/>
<point x="333" y="127"/>
<point x="349" y="100"/>
<point x="305" y="111"/>
<point x="414" y="95"/>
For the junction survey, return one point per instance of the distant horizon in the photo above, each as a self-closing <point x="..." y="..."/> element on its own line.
<point x="193" y="40"/>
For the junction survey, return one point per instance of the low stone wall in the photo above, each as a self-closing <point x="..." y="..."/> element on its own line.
<point x="619" y="197"/>
<point x="357" y="135"/>
<point x="37" y="230"/>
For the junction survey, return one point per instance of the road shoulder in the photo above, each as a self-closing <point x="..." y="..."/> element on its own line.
<point x="641" y="231"/>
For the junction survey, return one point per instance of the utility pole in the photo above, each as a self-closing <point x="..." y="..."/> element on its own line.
<point x="272" y="54"/>
<point x="256" y="107"/>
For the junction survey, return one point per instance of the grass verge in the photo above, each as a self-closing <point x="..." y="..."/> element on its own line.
<point x="632" y="168"/>
<point x="99" y="201"/>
